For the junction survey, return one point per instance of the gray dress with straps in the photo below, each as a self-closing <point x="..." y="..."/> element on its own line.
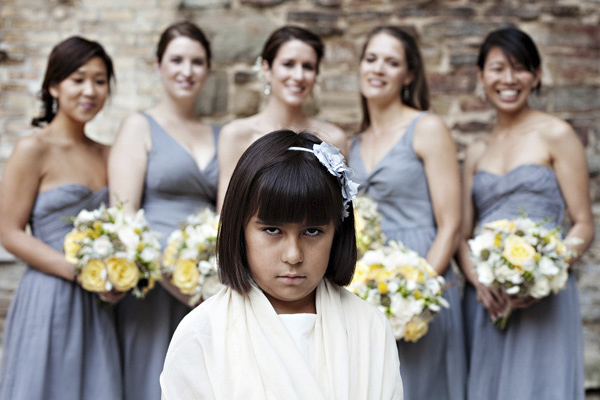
<point x="435" y="366"/>
<point x="174" y="188"/>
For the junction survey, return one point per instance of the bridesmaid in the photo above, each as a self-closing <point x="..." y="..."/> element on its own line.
<point x="164" y="161"/>
<point x="405" y="160"/>
<point x="531" y="161"/>
<point x="58" y="342"/>
<point x="290" y="64"/>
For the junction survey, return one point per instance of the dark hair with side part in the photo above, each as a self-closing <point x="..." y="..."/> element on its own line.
<point x="287" y="33"/>
<point x="182" y="29"/>
<point x="417" y="90"/>
<point x="65" y="58"/>
<point x="517" y="46"/>
<point x="282" y="186"/>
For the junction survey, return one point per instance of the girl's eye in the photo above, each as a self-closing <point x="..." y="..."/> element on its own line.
<point x="313" y="231"/>
<point x="271" y="230"/>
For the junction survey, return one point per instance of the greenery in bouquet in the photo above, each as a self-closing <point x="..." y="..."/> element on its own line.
<point x="113" y="251"/>
<point x="403" y="286"/>
<point x="190" y="256"/>
<point x="367" y="221"/>
<point x="521" y="258"/>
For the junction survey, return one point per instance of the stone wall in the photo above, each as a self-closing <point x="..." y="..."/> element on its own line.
<point x="449" y="32"/>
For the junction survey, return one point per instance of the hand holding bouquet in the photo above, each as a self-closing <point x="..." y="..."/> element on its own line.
<point x="403" y="286"/>
<point x="190" y="256"/>
<point x="113" y="251"/>
<point x="521" y="258"/>
<point x="367" y="221"/>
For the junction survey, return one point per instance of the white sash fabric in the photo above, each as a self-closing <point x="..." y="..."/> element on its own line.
<point x="236" y="347"/>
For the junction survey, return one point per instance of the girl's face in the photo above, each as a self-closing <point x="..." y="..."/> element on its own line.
<point x="293" y="72"/>
<point x="384" y="69"/>
<point x="506" y="86"/>
<point x="83" y="93"/>
<point x="183" y="68"/>
<point x="287" y="261"/>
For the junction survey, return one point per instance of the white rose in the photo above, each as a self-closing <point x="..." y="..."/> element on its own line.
<point x="128" y="237"/>
<point x="485" y="273"/>
<point x="149" y="255"/>
<point x="559" y="281"/>
<point x="540" y="288"/>
<point x="191" y="253"/>
<point x="85" y="216"/>
<point x="102" y="246"/>
<point x="547" y="267"/>
<point x="481" y="242"/>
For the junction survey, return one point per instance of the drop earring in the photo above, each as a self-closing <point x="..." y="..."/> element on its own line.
<point x="267" y="89"/>
<point x="54" y="105"/>
<point x="405" y="93"/>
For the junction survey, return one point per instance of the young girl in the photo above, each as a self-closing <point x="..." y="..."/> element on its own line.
<point x="59" y="343"/>
<point x="284" y="328"/>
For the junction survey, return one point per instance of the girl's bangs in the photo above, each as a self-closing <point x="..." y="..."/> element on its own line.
<point x="299" y="191"/>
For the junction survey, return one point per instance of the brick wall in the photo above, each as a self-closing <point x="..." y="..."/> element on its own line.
<point x="449" y="32"/>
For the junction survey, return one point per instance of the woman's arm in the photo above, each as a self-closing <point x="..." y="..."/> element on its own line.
<point x="127" y="163"/>
<point x="570" y="166"/>
<point x="434" y="145"/>
<point x="20" y="184"/>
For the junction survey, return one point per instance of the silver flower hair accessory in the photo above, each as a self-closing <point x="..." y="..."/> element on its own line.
<point x="333" y="160"/>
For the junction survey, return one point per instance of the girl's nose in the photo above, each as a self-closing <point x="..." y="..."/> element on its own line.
<point x="292" y="253"/>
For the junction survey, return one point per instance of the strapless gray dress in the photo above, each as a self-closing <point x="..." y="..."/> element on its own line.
<point x="540" y="354"/>
<point x="434" y="367"/>
<point x="59" y="342"/>
<point x="174" y="188"/>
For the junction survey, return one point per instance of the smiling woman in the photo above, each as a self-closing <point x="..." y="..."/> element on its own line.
<point x="164" y="161"/>
<point x="290" y="63"/>
<point x="59" y="343"/>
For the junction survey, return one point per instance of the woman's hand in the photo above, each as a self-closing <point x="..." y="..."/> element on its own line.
<point x="112" y="297"/>
<point x="493" y="300"/>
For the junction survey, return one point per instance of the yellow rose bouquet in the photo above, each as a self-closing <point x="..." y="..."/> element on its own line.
<point x="190" y="256"/>
<point x="113" y="251"/>
<point x="521" y="258"/>
<point x="403" y="286"/>
<point x="367" y="221"/>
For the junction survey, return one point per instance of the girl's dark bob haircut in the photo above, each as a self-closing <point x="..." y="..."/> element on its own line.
<point x="516" y="45"/>
<point x="282" y="186"/>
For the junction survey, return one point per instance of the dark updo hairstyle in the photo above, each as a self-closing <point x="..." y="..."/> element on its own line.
<point x="65" y="58"/>
<point x="182" y="29"/>
<point x="416" y="93"/>
<point x="517" y="46"/>
<point x="287" y="33"/>
<point x="282" y="186"/>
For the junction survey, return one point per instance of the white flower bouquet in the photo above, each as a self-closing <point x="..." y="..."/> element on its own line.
<point x="521" y="258"/>
<point x="403" y="286"/>
<point x="190" y="256"/>
<point x="367" y="221"/>
<point x="113" y="251"/>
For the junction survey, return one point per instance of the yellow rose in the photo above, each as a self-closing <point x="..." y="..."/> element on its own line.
<point x="186" y="275"/>
<point x="410" y="272"/>
<point x="170" y="253"/>
<point x="72" y="245"/>
<point x="503" y="224"/>
<point x="517" y="250"/>
<point x="415" y="329"/>
<point x="93" y="277"/>
<point x="123" y="274"/>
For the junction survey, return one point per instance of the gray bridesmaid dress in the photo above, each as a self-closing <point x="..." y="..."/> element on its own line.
<point x="540" y="354"/>
<point x="435" y="366"/>
<point x="59" y="343"/>
<point x="174" y="188"/>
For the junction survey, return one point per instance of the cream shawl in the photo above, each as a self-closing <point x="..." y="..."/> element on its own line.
<point x="236" y="347"/>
